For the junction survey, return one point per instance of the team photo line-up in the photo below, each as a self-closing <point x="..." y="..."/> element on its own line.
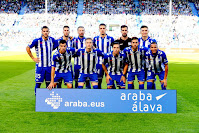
<point x="121" y="60"/>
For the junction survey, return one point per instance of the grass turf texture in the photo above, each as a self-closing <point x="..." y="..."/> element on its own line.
<point x="17" y="102"/>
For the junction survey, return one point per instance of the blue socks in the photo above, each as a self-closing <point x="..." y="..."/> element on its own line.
<point x="130" y="86"/>
<point x="149" y="85"/>
<point x="154" y="86"/>
<point x="141" y="86"/>
<point x="99" y="84"/>
<point x="80" y="87"/>
<point x="88" y="85"/>
<point x="95" y="87"/>
<point x="37" y="86"/>
<point x="163" y="88"/>
<point x="47" y="84"/>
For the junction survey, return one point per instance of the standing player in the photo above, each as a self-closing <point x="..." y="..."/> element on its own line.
<point x="78" y="43"/>
<point x="136" y="60"/>
<point x="61" y="68"/>
<point x="43" y="47"/>
<point x="144" y="42"/>
<point x="124" y="40"/>
<point x="116" y="68"/>
<point x="103" y="43"/>
<point x="88" y="59"/>
<point x="158" y="65"/>
<point x="68" y="39"/>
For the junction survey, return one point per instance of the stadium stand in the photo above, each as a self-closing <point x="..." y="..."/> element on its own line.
<point x="167" y="30"/>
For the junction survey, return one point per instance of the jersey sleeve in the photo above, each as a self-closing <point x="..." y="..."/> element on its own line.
<point x="100" y="53"/>
<point x="164" y="58"/>
<point x="55" y="59"/>
<point x="78" y="52"/>
<point x="72" y="50"/>
<point x="125" y="58"/>
<point x="34" y="43"/>
<point x="105" y="59"/>
<point x="112" y="40"/>
<point x="94" y="42"/>
<point x="74" y="43"/>
<point x="55" y="43"/>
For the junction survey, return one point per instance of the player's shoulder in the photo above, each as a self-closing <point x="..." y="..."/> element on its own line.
<point x="148" y="52"/>
<point x="37" y="39"/>
<point x="96" y="37"/>
<point x="160" y="52"/>
<point x="109" y="53"/>
<point x="127" y="49"/>
<point x="97" y="50"/>
<point x="108" y="36"/>
<point x="60" y="38"/>
<point x="50" y="37"/>
<point x="122" y="53"/>
<point x="56" y="53"/>
<point x="81" y="49"/>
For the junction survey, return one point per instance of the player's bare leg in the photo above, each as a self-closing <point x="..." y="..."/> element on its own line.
<point x="69" y="85"/>
<point x="141" y="85"/>
<point x="95" y="85"/>
<point x="80" y="85"/>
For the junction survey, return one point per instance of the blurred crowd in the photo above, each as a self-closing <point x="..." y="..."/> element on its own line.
<point x="54" y="6"/>
<point x="142" y="7"/>
<point x="177" y="31"/>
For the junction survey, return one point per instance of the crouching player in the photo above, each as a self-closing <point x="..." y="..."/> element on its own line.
<point x="61" y="68"/>
<point x="88" y="59"/>
<point x="115" y="67"/>
<point x="136" y="60"/>
<point x="157" y="65"/>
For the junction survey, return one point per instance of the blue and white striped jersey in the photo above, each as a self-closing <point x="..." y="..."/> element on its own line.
<point x="115" y="64"/>
<point x="62" y="62"/>
<point x="78" y="43"/>
<point x="145" y="43"/>
<point x="88" y="60"/>
<point x="103" y="44"/>
<point x="69" y="42"/>
<point x="156" y="62"/>
<point x="136" y="59"/>
<point x="44" y="50"/>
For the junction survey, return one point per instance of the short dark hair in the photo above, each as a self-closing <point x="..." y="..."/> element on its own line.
<point x="124" y="26"/>
<point x="62" y="41"/>
<point x="44" y="27"/>
<point x="115" y="42"/>
<point x="134" y="38"/>
<point x="80" y="27"/>
<point x="154" y="42"/>
<point x="66" y="26"/>
<point x="102" y="24"/>
<point x="144" y="26"/>
<point x="89" y="39"/>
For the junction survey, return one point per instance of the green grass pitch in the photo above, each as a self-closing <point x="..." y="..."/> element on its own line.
<point x="17" y="103"/>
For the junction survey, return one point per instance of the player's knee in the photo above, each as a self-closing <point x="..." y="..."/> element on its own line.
<point x="109" y="87"/>
<point x="122" y="87"/>
<point x="69" y="85"/>
<point x="141" y="82"/>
